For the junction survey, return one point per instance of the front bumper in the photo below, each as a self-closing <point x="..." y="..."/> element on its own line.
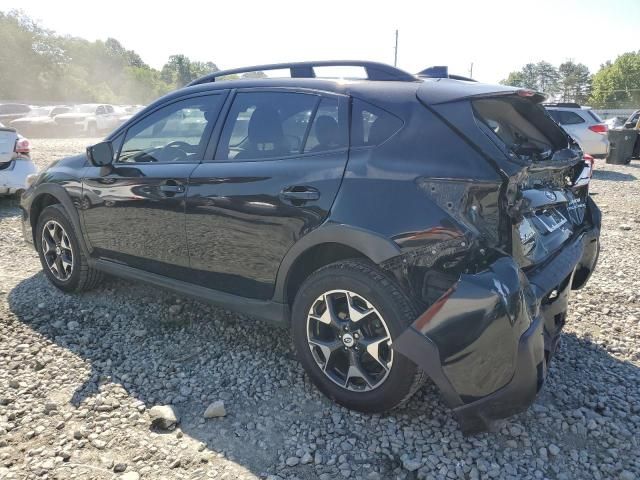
<point x="486" y="342"/>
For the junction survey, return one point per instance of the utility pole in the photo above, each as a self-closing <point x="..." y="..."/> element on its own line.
<point x="395" y="58"/>
<point x="471" y="71"/>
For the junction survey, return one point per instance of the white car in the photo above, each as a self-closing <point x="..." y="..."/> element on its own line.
<point x="15" y="162"/>
<point x="584" y="126"/>
<point x="91" y="119"/>
<point x="39" y="121"/>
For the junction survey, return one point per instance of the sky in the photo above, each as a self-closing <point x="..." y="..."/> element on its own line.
<point x="496" y="36"/>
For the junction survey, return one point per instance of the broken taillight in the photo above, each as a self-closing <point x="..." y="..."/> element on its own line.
<point x="22" y="146"/>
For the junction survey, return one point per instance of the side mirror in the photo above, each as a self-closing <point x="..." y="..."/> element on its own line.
<point x="630" y="125"/>
<point x="100" y="154"/>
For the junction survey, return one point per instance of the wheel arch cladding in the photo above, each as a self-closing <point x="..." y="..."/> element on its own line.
<point x="326" y="245"/>
<point x="51" y="194"/>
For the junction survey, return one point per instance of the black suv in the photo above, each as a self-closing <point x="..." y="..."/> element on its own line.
<point x="404" y="226"/>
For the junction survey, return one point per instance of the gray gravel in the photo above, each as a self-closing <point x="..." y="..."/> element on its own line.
<point x="80" y="373"/>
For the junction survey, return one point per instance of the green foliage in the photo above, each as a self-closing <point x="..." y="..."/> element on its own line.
<point x="36" y="65"/>
<point x="617" y="84"/>
<point x="574" y="82"/>
<point x="541" y="76"/>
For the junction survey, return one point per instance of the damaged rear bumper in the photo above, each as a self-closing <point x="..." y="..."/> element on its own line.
<point x="487" y="341"/>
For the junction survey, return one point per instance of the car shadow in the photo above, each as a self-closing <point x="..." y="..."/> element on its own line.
<point x="202" y="353"/>
<point x="613" y="176"/>
<point x="9" y="206"/>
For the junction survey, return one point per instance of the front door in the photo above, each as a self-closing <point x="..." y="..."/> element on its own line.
<point x="133" y="211"/>
<point x="277" y="169"/>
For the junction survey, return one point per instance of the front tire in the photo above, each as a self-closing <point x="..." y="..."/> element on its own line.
<point x="344" y="320"/>
<point x="61" y="256"/>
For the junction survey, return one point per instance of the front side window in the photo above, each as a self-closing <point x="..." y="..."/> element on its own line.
<point x="370" y="125"/>
<point x="174" y="133"/>
<point x="266" y="125"/>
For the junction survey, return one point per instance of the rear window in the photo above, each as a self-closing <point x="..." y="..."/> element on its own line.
<point x="370" y="125"/>
<point x="594" y="115"/>
<point x="519" y="125"/>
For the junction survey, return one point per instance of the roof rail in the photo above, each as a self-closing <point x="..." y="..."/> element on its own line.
<point x="375" y="70"/>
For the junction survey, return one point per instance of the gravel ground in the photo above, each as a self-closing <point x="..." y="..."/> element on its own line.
<point x="80" y="373"/>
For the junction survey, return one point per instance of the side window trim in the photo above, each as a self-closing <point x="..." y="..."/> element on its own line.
<point x="206" y="134"/>
<point x="344" y="101"/>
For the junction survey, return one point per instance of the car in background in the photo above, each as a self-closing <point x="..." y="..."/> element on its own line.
<point x="15" y="162"/>
<point x="633" y="121"/>
<point x="128" y="111"/>
<point x="89" y="119"/>
<point x="584" y="125"/>
<point x="11" y="111"/>
<point x="39" y="121"/>
<point x="615" y="122"/>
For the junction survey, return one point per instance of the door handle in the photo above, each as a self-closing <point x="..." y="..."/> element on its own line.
<point x="171" y="186"/>
<point x="300" y="193"/>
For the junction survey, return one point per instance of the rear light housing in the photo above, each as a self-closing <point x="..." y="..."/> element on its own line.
<point x="591" y="161"/>
<point x="599" y="128"/>
<point x="23" y="146"/>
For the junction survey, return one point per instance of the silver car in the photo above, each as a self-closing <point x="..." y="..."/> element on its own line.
<point x="584" y="125"/>
<point x="15" y="161"/>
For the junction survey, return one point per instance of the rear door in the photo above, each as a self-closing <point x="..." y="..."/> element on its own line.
<point x="133" y="211"/>
<point x="277" y="168"/>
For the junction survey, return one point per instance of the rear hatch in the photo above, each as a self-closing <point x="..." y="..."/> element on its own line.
<point x="543" y="200"/>
<point x="8" y="138"/>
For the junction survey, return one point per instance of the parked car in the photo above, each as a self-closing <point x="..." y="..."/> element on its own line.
<point x="403" y="226"/>
<point x="88" y="119"/>
<point x="633" y="121"/>
<point x="615" y="122"/>
<point x="11" y="111"/>
<point x="39" y="121"/>
<point x="584" y="125"/>
<point x="15" y="162"/>
<point x="129" y="111"/>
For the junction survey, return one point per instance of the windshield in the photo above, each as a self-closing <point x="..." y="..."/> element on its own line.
<point x="84" y="109"/>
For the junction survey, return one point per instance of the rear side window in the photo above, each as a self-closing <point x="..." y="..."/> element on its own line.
<point x="371" y="125"/>
<point x="569" y="118"/>
<point x="594" y="115"/>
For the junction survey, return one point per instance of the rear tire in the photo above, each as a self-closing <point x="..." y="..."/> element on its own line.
<point x="347" y="354"/>
<point x="61" y="256"/>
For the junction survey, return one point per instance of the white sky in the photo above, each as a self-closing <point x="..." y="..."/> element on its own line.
<point x="497" y="36"/>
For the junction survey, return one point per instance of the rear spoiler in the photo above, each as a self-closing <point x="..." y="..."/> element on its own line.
<point x="434" y="91"/>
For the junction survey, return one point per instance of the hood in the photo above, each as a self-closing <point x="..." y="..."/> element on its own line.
<point x="76" y="115"/>
<point x="27" y="120"/>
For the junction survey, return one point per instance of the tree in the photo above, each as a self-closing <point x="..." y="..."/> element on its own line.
<point x="514" y="79"/>
<point x="617" y="84"/>
<point x="547" y="77"/>
<point x="574" y="82"/>
<point x="180" y="70"/>
<point x="541" y="76"/>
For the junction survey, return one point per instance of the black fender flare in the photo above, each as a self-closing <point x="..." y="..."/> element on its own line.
<point x="375" y="247"/>
<point x="63" y="197"/>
